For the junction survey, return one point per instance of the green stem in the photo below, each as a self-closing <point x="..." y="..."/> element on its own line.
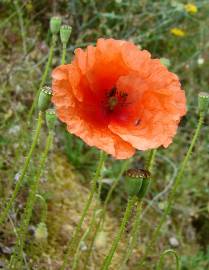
<point x="109" y="194"/>
<point x="135" y="228"/>
<point x="146" y="182"/>
<point x="72" y="245"/>
<point x="171" y="197"/>
<point x="9" y="204"/>
<point x="64" y="48"/>
<point x="102" y="217"/>
<point x="17" y="256"/>
<point x="44" y="207"/>
<point x="119" y="234"/>
<point x="169" y="251"/>
<point x="44" y="76"/>
<point x="133" y="234"/>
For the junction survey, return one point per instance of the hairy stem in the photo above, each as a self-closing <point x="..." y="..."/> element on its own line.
<point x="108" y="259"/>
<point x="72" y="245"/>
<point x="135" y="229"/>
<point x="172" y="252"/>
<point x="10" y="202"/>
<point x="22" y="232"/>
<point x="44" y="76"/>
<point x="64" y="48"/>
<point x="171" y="197"/>
<point x="102" y="216"/>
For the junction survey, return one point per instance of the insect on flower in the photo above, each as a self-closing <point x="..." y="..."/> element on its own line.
<point x="116" y="97"/>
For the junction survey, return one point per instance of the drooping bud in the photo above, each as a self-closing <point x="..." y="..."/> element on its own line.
<point x="203" y="102"/>
<point x="44" y="98"/>
<point x="41" y="232"/>
<point x="55" y="24"/>
<point x="51" y="119"/>
<point x="65" y="32"/>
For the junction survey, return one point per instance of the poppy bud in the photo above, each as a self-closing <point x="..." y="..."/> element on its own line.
<point x="65" y="32"/>
<point x="203" y="101"/>
<point x="51" y="119"/>
<point x="41" y="232"/>
<point x="55" y="24"/>
<point x="44" y="98"/>
<point x="132" y="182"/>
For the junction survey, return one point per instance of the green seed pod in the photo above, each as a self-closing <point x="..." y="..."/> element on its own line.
<point x="55" y="24"/>
<point x="44" y="98"/>
<point x="41" y="232"/>
<point x="51" y="119"/>
<point x="65" y="32"/>
<point x="203" y="102"/>
<point x="132" y="182"/>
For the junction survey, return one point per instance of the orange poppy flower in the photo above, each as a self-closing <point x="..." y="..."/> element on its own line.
<point x="115" y="97"/>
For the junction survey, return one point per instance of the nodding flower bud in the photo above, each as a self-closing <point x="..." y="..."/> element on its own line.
<point x="134" y="179"/>
<point x="41" y="232"/>
<point x="51" y="119"/>
<point x="65" y="32"/>
<point x="55" y="24"/>
<point x="44" y="98"/>
<point x="203" y="102"/>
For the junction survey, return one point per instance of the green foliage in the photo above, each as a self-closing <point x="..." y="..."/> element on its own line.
<point x="200" y="261"/>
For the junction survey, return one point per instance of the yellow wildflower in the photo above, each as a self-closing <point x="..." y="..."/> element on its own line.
<point x="190" y="8"/>
<point x="178" y="32"/>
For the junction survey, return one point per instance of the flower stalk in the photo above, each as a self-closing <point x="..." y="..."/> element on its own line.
<point x="167" y="252"/>
<point x="176" y="184"/>
<point x="135" y="229"/>
<point x="72" y="245"/>
<point x="10" y="202"/>
<point x="131" y="201"/>
<point x="55" y="24"/>
<point x="103" y="213"/>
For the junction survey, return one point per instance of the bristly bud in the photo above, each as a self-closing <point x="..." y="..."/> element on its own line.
<point x="44" y="98"/>
<point x="65" y="32"/>
<point x="51" y="119"/>
<point x="41" y="232"/>
<point x="203" y="102"/>
<point x="55" y="24"/>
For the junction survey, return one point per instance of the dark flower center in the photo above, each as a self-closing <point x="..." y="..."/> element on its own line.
<point x="115" y="99"/>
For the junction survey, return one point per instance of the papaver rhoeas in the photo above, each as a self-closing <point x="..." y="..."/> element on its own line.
<point x="115" y="97"/>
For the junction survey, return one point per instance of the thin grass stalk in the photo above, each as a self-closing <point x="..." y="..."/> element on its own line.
<point x="135" y="229"/>
<point x="10" y="202"/>
<point x="108" y="258"/>
<point x="102" y="217"/>
<point x="166" y="252"/>
<point x="22" y="28"/>
<point x="44" y="75"/>
<point x="172" y="195"/>
<point x="16" y="259"/>
<point x="72" y="244"/>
